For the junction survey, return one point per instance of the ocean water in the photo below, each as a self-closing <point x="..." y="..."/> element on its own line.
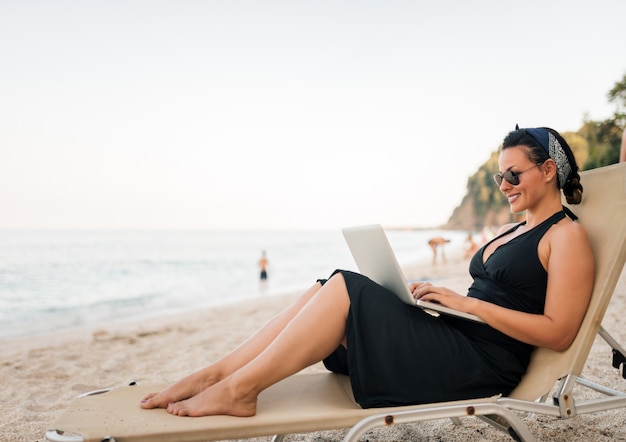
<point x="53" y="280"/>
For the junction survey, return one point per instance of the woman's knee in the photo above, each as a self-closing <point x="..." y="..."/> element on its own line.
<point x="337" y="280"/>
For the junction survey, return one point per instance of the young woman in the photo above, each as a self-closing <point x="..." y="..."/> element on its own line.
<point x="532" y="284"/>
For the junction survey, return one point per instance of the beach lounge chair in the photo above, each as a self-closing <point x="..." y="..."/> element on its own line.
<point x="323" y="401"/>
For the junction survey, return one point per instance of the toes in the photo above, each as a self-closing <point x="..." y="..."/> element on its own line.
<point x="177" y="409"/>
<point x="150" y="396"/>
<point x="146" y="403"/>
<point x="151" y="401"/>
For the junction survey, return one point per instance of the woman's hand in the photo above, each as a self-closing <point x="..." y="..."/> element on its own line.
<point x="419" y="289"/>
<point x="441" y="295"/>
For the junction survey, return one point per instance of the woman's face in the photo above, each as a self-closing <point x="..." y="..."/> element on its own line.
<point x="528" y="191"/>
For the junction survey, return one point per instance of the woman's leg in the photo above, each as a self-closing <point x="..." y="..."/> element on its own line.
<point x="247" y="351"/>
<point x="315" y="332"/>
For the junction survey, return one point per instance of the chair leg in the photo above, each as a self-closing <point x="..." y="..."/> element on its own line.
<point x="501" y="424"/>
<point x="619" y="354"/>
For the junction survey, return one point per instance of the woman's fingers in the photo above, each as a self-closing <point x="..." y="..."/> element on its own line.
<point x="419" y="289"/>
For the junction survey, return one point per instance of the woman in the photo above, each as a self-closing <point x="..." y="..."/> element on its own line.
<point x="532" y="284"/>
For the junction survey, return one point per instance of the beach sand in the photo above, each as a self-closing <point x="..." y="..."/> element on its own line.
<point x="40" y="376"/>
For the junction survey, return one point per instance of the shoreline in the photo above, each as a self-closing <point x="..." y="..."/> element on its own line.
<point x="41" y="376"/>
<point x="454" y="268"/>
<point x="138" y="324"/>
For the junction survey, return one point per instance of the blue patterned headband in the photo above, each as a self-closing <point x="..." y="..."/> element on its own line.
<point x="553" y="148"/>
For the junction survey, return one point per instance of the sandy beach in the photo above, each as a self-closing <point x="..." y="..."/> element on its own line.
<point x="41" y="375"/>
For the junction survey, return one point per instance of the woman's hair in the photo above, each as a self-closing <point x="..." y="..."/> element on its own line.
<point x="572" y="189"/>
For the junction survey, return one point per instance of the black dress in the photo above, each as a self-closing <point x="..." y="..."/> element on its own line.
<point x="398" y="354"/>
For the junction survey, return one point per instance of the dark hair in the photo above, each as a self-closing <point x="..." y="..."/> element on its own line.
<point x="572" y="189"/>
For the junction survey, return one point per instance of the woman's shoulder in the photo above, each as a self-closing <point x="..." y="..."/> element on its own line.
<point x="569" y="228"/>
<point x="568" y="235"/>
<point x="566" y="246"/>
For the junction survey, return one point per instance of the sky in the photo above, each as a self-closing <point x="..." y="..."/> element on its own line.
<point x="267" y="114"/>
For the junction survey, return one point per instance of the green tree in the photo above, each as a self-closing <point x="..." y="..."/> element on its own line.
<point x="579" y="146"/>
<point x="605" y="136"/>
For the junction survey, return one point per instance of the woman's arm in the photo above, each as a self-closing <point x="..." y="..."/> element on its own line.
<point x="566" y="254"/>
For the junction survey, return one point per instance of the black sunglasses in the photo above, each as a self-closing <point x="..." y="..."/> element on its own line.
<point x="510" y="176"/>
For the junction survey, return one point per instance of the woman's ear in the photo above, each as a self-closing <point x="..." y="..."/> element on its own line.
<point x="549" y="169"/>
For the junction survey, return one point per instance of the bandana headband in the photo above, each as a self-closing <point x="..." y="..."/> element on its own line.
<point x="553" y="148"/>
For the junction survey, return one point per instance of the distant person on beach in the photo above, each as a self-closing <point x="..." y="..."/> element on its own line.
<point x="622" y="152"/>
<point x="472" y="247"/>
<point x="486" y="234"/>
<point x="531" y="286"/>
<point x="263" y="262"/>
<point x="437" y="243"/>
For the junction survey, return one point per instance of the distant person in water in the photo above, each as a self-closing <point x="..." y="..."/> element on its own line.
<point x="437" y="243"/>
<point x="263" y="262"/>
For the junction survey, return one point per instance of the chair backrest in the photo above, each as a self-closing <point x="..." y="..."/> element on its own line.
<point x="603" y="214"/>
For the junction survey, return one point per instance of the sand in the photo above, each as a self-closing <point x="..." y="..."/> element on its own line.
<point x="41" y="375"/>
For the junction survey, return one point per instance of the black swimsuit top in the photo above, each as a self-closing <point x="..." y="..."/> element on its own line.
<point x="512" y="277"/>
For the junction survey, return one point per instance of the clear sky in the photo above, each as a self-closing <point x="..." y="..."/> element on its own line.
<point x="281" y="114"/>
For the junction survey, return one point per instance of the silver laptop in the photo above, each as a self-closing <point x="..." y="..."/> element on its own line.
<point x="375" y="259"/>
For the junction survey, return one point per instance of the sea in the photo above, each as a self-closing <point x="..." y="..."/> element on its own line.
<point x="56" y="280"/>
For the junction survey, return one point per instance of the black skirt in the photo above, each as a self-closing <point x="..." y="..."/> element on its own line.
<point x="397" y="354"/>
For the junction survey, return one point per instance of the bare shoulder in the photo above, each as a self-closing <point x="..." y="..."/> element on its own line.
<point x="570" y="237"/>
<point x="568" y="230"/>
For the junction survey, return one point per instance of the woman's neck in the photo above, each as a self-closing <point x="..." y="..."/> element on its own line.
<point x="537" y="215"/>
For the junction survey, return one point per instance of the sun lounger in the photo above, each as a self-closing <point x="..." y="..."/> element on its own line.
<point x="323" y="401"/>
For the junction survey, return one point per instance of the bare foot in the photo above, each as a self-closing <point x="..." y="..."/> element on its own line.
<point x="184" y="389"/>
<point x="219" y="399"/>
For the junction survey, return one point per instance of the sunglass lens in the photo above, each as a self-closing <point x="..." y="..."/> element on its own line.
<point x="509" y="176"/>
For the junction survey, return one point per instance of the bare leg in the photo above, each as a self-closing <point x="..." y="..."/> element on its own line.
<point x="303" y="342"/>
<point x="250" y="349"/>
<point x="434" y="248"/>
